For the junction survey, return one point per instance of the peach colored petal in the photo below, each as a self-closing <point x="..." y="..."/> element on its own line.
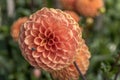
<point x="37" y="41"/>
<point x="27" y="32"/>
<point x="36" y="54"/>
<point x="40" y="49"/>
<point x="29" y="39"/>
<point x="34" y="32"/>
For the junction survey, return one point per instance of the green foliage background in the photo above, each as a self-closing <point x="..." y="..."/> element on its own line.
<point x="103" y="39"/>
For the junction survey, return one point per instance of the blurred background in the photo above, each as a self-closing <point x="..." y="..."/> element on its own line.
<point x="102" y="37"/>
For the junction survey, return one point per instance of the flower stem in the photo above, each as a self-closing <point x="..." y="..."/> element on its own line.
<point x="76" y="66"/>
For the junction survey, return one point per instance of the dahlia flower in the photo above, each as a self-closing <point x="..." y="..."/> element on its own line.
<point x="16" y="27"/>
<point x="89" y="8"/>
<point x="50" y="39"/>
<point x="70" y="72"/>
<point x="73" y="15"/>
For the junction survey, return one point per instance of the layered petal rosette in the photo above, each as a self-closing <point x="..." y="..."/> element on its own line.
<point x="70" y="72"/>
<point x="50" y="39"/>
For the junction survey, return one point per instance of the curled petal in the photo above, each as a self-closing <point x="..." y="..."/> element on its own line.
<point x="36" y="26"/>
<point x="42" y="29"/>
<point x="51" y="42"/>
<point x="37" y="40"/>
<point x="40" y="49"/>
<point x="47" y="47"/>
<point x="45" y="54"/>
<point x="29" y="39"/>
<point x="28" y="25"/>
<point x="52" y="56"/>
<point x="36" y="54"/>
<point x="42" y="36"/>
<point x="56" y="40"/>
<point x="47" y="32"/>
<point x="27" y="32"/>
<point x="34" y="32"/>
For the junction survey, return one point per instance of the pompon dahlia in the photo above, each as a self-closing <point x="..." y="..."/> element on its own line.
<point x="70" y="72"/>
<point x="50" y="39"/>
<point x="89" y="8"/>
<point x="68" y="4"/>
<point x="73" y="15"/>
<point x="16" y="27"/>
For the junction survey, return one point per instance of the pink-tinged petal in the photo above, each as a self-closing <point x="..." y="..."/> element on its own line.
<point x="68" y="45"/>
<point x="51" y="36"/>
<point x="43" y="42"/>
<point x="28" y="25"/>
<point x="22" y="36"/>
<point x="57" y="59"/>
<point x="59" y="45"/>
<point x="43" y="60"/>
<point x="29" y="39"/>
<point x="38" y="60"/>
<point x="52" y="56"/>
<point x="47" y="47"/>
<point x="36" y="26"/>
<point x="27" y="51"/>
<point x="60" y="53"/>
<point x="73" y="45"/>
<point x="66" y="32"/>
<point x="42" y="36"/>
<point x="50" y="42"/>
<point x="62" y="46"/>
<point x="47" y="32"/>
<point x="27" y="32"/>
<point x="34" y="32"/>
<point x="23" y="45"/>
<point x="42" y="29"/>
<point x="44" y="23"/>
<point x="45" y="54"/>
<point x="52" y="65"/>
<point x="37" y="40"/>
<point x="53" y="48"/>
<point x="63" y="61"/>
<point x="46" y="61"/>
<point x="30" y="58"/>
<point x="36" y="54"/>
<point x="40" y="49"/>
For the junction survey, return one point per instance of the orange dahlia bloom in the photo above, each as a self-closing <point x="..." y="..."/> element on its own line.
<point x="68" y="4"/>
<point x="89" y="8"/>
<point x="73" y="15"/>
<point x="50" y="39"/>
<point x="70" y="72"/>
<point x="16" y="27"/>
